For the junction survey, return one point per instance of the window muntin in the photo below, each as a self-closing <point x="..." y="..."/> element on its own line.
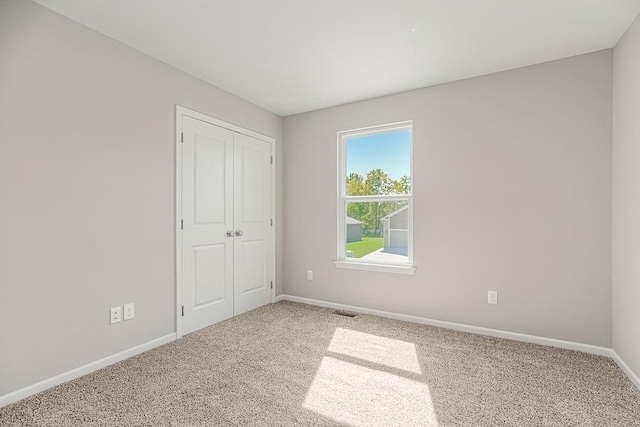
<point x="375" y="212"/>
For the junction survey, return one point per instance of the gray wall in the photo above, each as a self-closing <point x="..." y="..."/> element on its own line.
<point x="87" y="190"/>
<point x="400" y="220"/>
<point x="398" y="239"/>
<point x="626" y="198"/>
<point x="354" y="232"/>
<point x="512" y="181"/>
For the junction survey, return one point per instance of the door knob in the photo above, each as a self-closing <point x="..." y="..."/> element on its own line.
<point x="229" y="233"/>
<point x="238" y="232"/>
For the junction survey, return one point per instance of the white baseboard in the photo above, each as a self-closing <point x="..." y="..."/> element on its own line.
<point x="569" y="345"/>
<point x="626" y="369"/>
<point x="25" y="392"/>
<point x="83" y="370"/>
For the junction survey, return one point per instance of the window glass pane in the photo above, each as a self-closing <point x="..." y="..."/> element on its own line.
<point x="379" y="164"/>
<point x="377" y="231"/>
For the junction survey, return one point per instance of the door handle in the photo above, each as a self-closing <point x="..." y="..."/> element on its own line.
<point x="229" y="233"/>
<point x="238" y="233"/>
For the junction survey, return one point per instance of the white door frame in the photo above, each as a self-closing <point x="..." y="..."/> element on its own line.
<point x="181" y="112"/>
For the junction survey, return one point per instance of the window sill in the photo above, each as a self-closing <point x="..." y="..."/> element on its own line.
<point x="385" y="268"/>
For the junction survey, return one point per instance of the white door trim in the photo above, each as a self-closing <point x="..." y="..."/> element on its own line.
<point x="181" y="112"/>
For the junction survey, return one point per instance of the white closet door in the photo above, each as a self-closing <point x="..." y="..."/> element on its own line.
<point x="207" y="211"/>
<point x="252" y="217"/>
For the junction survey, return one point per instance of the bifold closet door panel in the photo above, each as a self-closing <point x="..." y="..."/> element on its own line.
<point x="252" y="221"/>
<point x="207" y="212"/>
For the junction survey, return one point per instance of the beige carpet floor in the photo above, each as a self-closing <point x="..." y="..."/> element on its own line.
<point x="291" y="364"/>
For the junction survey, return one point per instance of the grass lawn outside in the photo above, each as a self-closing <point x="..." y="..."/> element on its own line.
<point x="365" y="246"/>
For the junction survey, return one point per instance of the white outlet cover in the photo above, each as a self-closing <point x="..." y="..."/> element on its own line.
<point x="129" y="311"/>
<point x="116" y="314"/>
<point x="493" y="297"/>
<point x="309" y="275"/>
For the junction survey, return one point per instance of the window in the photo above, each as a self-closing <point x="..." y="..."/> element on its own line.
<point x="375" y="216"/>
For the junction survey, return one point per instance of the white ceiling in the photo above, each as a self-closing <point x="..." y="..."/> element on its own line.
<point x="292" y="56"/>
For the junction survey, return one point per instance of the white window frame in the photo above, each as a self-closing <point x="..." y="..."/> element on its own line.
<point x="356" y="263"/>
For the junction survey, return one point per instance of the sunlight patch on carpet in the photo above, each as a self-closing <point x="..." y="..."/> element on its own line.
<point x="372" y="348"/>
<point x="360" y="396"/>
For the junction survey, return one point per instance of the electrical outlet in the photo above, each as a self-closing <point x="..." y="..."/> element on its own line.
<point x="116" y="314"/>
<point x="493" y="297"/>
<point x="129" y="312"/>
<point x="309" y="275"/>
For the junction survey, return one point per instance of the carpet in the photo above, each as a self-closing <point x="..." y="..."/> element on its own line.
<point x="290" y="364"/>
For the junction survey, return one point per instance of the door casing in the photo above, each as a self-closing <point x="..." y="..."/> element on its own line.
<point x="180" y="113"/>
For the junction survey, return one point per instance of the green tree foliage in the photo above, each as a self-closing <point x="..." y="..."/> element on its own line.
<point x="403" y="185"/>
<point x="355" y="185"/>
<point x="377" y="182"/>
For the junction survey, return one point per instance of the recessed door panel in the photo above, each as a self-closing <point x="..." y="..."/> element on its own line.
<point x="209" y="266"/>
<point x="255" y="164"/>
<point x="253" y="269"/>
<point x="209" y="179"/>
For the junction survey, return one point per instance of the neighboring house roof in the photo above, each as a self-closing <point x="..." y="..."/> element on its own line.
<point x="396" y="212"/>
<point x="352" y="221"/>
